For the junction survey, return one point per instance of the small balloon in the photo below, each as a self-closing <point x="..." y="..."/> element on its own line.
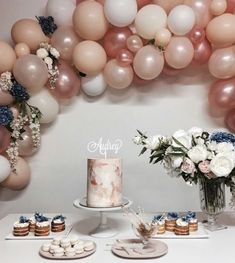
<point x="26" y="145"/>
<point x="116" y="76"/>
<point x="5" y="98"/>
<point x="230" y="120"/>
<point x="134" y="43"/>
<point x="218" y="7"/>
<point x="196" y="35"/>
<point x="20" y="179"/>
<point x="21" y="49"/>
<point x="124" y="58"/>
<point x="93" y="86"/>
<point x="5" y="139"/>
<point x="5" y="168"/>
<point x="8" y="57"/>
<point x="163" y="37"/>
<point x="202" y="52"/>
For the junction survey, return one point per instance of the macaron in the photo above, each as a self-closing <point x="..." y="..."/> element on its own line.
<point x="74" y="240"/>
<point x="65" y="243"/>
<point x="89" y="245"/>
<point x="56" y="241"/>
<point x="59" y="252"/>
<point x="52" y="248"/>
<point x="46" y="247"/>
<point x="70" y="252"/>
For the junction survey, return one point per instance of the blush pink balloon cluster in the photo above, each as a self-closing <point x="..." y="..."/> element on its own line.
<point x="116" y="43"/>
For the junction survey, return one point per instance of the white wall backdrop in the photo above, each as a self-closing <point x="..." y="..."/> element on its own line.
<point x="59" y="168"/>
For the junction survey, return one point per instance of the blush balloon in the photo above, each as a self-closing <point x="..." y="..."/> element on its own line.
<point x="5" y="139"/>
<point x="21" y="49"/>
<point x="218" y="7"/>
<point x="5" y="98"/>
<point x="134" y="43"/>
<point x="8" y="57"/>
<point x="202" y="52"/>
<point x="5" y="168"/>
<point x="124" y="57"/>
<point x="230" y="120"/>
<point x="115" y="40"/>
<point x="196" y="35"/>
<point x="67" y="84"/>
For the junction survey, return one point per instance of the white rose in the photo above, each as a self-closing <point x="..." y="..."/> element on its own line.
<point x="137" y="140"/>
<point x="176" y="161"/>
<point x="153" y="142"/>
<point x="221" y="165"/>
<point x="224" y="147"/>
<point x="195" y="131"/>
<point x="42" y="53"/>
<point x="197" y="153"/>
<point x="183" y="138"/>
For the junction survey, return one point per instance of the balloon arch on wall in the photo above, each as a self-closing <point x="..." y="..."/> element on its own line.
<point x="95" y="44"/>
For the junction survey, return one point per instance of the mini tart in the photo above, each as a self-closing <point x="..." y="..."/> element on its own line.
<point x="57" y="225"/>
<point x="181" y="227"/>
<point x="20" y="229"/>
<point x="42" y="229"/>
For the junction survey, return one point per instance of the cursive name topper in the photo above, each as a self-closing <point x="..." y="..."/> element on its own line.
<point x="103" y="147"/>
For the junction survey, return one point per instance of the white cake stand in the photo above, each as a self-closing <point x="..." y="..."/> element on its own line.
<point x="103" y="230"/>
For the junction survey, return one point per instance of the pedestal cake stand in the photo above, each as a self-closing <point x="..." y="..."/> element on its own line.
<point x="103" y="229"/>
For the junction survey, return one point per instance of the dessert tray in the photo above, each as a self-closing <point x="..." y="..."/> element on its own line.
<point x="133" y="248"/>
<point x="31" y="235"/>
<point x="201" y="233"/>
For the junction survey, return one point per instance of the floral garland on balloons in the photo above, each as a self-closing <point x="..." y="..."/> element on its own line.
<point x="95" y="44"/>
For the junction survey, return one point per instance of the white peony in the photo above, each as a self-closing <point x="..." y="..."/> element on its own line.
<point x="212" y="146"/>
<point x="153" y="142"/>
<point x="224" y="147"/>
<point x="183" y="138"/>
<point x="222" y="165"/>
<point x="195" y="131"/>
<point x="198" y="153"/>
<point x="137" y="140"/>
<point x="176" y="161"/>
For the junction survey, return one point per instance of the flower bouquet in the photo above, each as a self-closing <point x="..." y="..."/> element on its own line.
<point x="198" y="157"/>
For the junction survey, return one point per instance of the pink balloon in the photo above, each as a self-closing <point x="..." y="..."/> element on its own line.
<point x="202" y="52"/>
<point x="124" y="57"/>
<point x="5" y="98"/>
<point x="26" y="146"/>
<point x="179" y="52"/>
<point x="230" y="120"/>
<point x="141" y="3"/>
<point x="5" y="139"/>
<point x="230" y="6"/>
<point x="196" y="35"/>
<point x="222" y="94"/>
<point x="68" y="83"/>
<point x="222" y="63"/>
<point x="134" y="43"/>
<point x="115" y="40"/>
<point x="201" y="9"/>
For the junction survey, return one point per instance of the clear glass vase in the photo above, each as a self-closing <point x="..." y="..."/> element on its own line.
<point x="212" y="198"/>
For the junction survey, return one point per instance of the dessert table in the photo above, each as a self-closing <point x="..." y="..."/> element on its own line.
<point x="219" y="247"/>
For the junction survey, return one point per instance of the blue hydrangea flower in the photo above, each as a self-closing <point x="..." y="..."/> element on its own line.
<point x="172" y="215"/>
<point x="223" y="137"/>
<point x="19" y="92"/>
<point x="6" y="116"/>
<point x="47" y="24"/>
<point x="61" y="217"/>
<point x="39" y="217"/>
<point x="23" y="219"/>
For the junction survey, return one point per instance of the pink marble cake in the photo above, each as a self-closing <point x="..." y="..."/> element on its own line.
<point x="104" y="182"/>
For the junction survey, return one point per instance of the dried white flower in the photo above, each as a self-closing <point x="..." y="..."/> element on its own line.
<point x="42" y="53"/>
<point x="48" y="61"/>
<point x="54" y="52"/>
<point x="5" y="81"/>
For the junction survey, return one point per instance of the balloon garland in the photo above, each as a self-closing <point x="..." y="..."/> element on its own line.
<point x="95" y="44"/>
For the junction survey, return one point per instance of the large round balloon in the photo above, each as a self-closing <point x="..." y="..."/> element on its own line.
<point x="179" y="53"/>
<point x="120" y="13"/>
<point x="68" y="83"/>
<point x="116" y="76"/>
<point x="94" y="85"/>
<point x="230" y="120"/>
<point x="167" y="5"/>
<point x="5" y="168"/>
<point x="148" y="62"/>
<point x="20" y="179"/>
<point x="221" y="30"/>
<point x="5" y="98"/>
<point x="115" y="40"/>
<point x="64" y="40"/>
<point x="181" y="20"/>
<point x="149" y="19"/>
<point x="89" y="57"/>
<point x="8" y="57"/>
<point x="218" y="7"/>
<point x="61" y="11"/>
<point x="5" y="138"/>
<point x="48" y="106"/>
<point x="26" y="145"/>
<point x="28" y="31"/>
<point x="89" y="20"/>
<point x="222" y="63"/>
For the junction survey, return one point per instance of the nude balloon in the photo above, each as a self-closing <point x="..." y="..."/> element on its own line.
<point x="218" y="7"/>
<point x="115" y="40"/>
<point x="221" y="30"/>
<point x="20" y="179"/>
<point x="116" y="76"/>
<point x="28" y="31"/>
<point x="89" y="57"/>
<point x="5" y="168"/>
<point x="68" y="82"/>
<point x="222" y="94"/>
<point x="26" y="145"/>
<point x="149" y="19"/>
<point x="134" y="43"/>
<point x="21" y="49"/>
<point x="148" y="62"/>
<point x="8" y="57"/>
<point x="5" y="98"/>
<point x="61" y="11"/>
<point x="230" y="120"/>
<point x="162" y="37"/>
<point x="222" y="63"/>
<point x="89" y="20"/>
<point x="64" y="39"/>
<point x="202" y="52"/>
<point x="179" y="52"/>
<point x="201" y="9"/>
<point x="31" y="72"/>
<point x="5" y="138"/>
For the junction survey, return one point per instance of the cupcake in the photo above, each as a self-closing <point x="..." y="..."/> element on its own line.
<point x="192" y="221"/>
<point x="160" y="224"/>
<point x="181" y="226"/>
<point x="42" y="227"/>
<point x="170" y="221"/>
<point x="58" y="223"/>
<point x="21" y="227"/>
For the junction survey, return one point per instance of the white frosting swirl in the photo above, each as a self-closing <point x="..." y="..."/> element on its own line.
<point x="42" y="224"/>
<point x="181" y="222"/>
<point x="21" y="225"/>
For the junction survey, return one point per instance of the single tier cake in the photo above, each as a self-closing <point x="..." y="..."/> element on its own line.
<point x="171" y="221"/>
<point x="58" y="223"/>
<point x="21" y="227"/>
<point x="192" y="221"/>
<point x="104" y="182"/>
<point x="181" y="227"/>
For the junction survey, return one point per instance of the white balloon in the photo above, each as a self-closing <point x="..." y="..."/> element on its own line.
<point x="61" y="11"/>
<point x="5" y="168"/>
<point x="94" y="85"/>
<point x="47" y="104"/>
<point x="120" y="13"/>
<point x="149" y="20"/>
<point x="181" y="20"/>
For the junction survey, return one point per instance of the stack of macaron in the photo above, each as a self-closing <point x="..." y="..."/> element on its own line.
<point x="67" y="247"/>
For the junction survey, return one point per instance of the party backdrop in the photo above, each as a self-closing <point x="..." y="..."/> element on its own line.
<point x="58" y="169"/>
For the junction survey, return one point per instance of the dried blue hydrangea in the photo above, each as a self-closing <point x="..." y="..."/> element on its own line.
<point x="223" y="137"/>
<point x="6" y="115"/>
<point x="61" y="217"/>
<point x="47" y="24"/>
<point x="19" y="92"/>
<point x="23" y="219"/>
<point x="39" y="217"/>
